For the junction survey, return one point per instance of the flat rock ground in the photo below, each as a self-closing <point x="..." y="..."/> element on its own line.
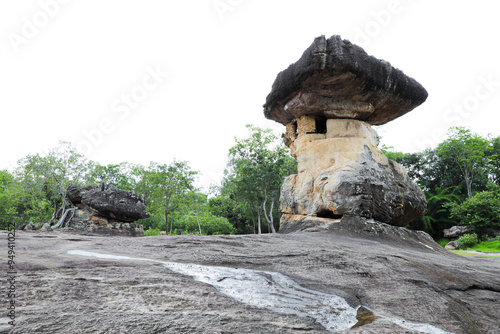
<point x="394" y="272"/>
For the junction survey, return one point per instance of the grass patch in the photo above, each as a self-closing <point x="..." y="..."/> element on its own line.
<point x="487" y="246"/>
<point x="443" y="242"/>
<point x="463" y="252"/>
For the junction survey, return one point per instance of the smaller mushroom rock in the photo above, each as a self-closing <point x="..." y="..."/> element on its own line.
<point x="116" y="204"/>
<point x="328" y="101"/>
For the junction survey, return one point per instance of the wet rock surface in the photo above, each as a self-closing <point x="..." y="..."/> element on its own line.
<point x="396" y="272"/>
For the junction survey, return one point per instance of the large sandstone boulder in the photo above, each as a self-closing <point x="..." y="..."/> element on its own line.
<point x="328" y="101"/>
<point x="107" y="210"/>
<point x="117" y="204"/>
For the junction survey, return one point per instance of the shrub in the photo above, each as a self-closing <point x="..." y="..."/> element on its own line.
<point x="152" y="231"/>
<point x="467" y="240"/>
<point x="481" y="212"/>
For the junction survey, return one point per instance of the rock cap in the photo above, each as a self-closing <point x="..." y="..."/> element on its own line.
<point x="337" y="79"/>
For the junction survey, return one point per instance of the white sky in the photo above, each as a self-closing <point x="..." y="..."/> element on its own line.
<point x="68" y="66"/>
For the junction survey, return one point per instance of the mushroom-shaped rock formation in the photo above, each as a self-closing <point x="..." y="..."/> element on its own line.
<point x="328" y="101"/>
<point x="114" y="203"/>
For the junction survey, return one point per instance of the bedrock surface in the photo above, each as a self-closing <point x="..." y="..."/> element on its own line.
<point x="393" y="271"/>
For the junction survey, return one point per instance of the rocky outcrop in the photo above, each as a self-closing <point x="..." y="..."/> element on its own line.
<point x="394" y="272"/>
<point x="107" y="210"/>
<point x="87" y="220"/>
<point x="455" y="232"/>
<point x="328" y="101"/>
<point x="115" y="203"/>
<point x="26" y="227"/>
<point x="452" y="245"/>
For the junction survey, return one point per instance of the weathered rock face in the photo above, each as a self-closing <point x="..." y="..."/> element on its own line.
<point x="455" y="232"/>
<point x="337" y="79"/>
<point x="116" y="204"/>
<point x="393" y="271"/>
<point x="88" y="221"/>
<point x="345" y="174"/>
<point x="107" y="210"/>
<point x="328" y="101"/>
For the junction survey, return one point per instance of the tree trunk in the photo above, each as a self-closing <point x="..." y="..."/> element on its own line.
<point x="258" y="222"/>
<point x="55" y="214"/>
<point x="198" y="221"/>
<point x="166" y="218"/>
<point x="269" y="216"/>
<point x="62" y="220"/>
<point x="468" y="183"/>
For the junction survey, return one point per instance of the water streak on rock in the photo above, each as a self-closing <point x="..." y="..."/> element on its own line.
<point x="274" y="291"/>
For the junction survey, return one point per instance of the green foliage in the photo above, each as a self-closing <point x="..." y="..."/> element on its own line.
<point x="9" y="199"/>
<point x="494" y="156"/>
<point x="481" y="212"/>
<point x="256" y="169"/>
<point x="152" y="232"/>
<point x="469" y="152"/>
<point x="443" y="242"/>
<point x="463" y="166"/>
<point x="235" y="212"/>
<point x="492" y="246"/>
<point x="467" y="240"/>
<point x="209" y="224"/>
<point x="437" y="216"/>
<point x="195" y="217"/>
<point x="162" y="184"/>
<point x="121" y="176"/>
<point x="153" y="222"/>
<point x="43" y="183"/>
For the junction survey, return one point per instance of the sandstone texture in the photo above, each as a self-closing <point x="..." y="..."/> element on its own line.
<point x="346" y="174"/>
<point x="395" y="272"/>
<point x="329" y="99"/>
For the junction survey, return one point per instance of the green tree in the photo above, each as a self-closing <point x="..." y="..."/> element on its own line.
<point x="256" y="170"/>
<point x="481" y="212"/>
<point x="8" y="199"/>
<point x="225" y="205"/>
<point x="440" y="172"/>
<point x="47" y="179"/>
<point x="494" y="156"/>
<point x="121" y="176"/>
<point x="161" y="183"/>
<point x="469" y="152"/>
<point x="194" y="216"/>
